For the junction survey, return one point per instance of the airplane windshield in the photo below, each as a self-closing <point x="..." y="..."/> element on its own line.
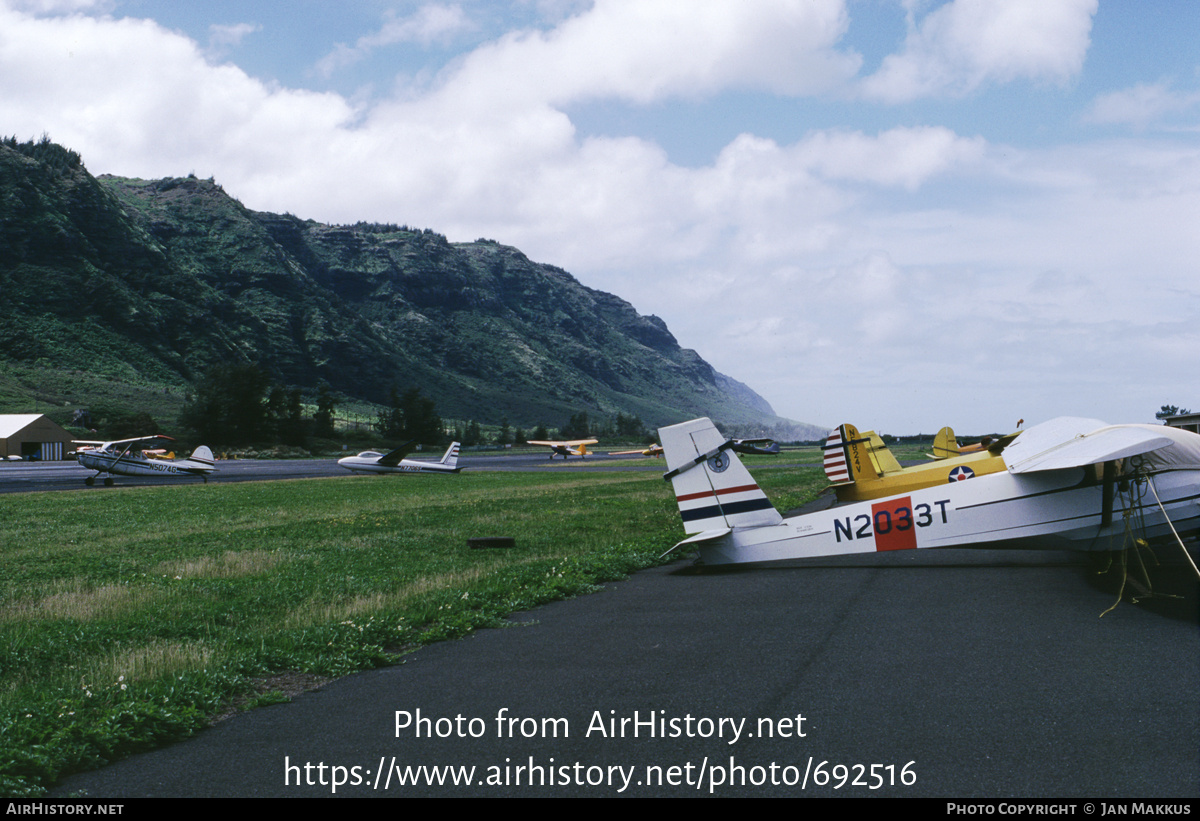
<point x="369" y="454"/>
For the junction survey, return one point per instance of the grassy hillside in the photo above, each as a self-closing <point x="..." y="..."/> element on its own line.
<point x="148" y="284"/>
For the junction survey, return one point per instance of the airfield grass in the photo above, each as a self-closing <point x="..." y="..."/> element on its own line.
<point x="130" y="617"/>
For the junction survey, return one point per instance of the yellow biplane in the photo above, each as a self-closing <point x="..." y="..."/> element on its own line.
<point x="860" y="466"/>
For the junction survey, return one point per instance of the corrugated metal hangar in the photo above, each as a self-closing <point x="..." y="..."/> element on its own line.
<point x="32" y="436"/>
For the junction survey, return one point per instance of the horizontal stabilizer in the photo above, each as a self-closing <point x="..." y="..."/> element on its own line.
<point x="706" y="536"/>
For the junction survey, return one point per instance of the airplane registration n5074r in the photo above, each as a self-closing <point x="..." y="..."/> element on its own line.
<point x="125" y="458"/>
<point x="1070" y="482"/>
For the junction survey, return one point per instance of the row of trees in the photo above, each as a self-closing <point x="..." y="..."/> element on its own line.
<point x="239" y="404"/>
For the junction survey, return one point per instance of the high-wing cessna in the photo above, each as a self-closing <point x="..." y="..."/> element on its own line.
<point x="571" y="447"/>
<point x="370" y="461"/>
<point x="125" y="458"/>
<point x="1066" y="483"/>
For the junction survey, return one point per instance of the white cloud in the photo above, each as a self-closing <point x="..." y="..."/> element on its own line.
<point x="429" y="24"/>
<point x="820" y="270"/>
<point x="964" y="44"/>
<point x="231" y="34"/>
<point x="643" y="52"/>
<point x="1141" y="105"/>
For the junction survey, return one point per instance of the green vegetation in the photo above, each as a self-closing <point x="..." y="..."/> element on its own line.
<point x="153" y="283"/>
<point x="131" y="617"/>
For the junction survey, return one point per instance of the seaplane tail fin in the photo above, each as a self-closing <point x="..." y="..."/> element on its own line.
<point x="848" y="456"/>
<point x="714" y="490"/>
<point x="450" y="459"/>
<point x="945" y="446"/>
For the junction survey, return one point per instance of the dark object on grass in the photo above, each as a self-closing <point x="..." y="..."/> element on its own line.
<point x="482" y="542"/>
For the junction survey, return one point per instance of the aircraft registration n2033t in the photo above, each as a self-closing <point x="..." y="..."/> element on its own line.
<point x="125" y="458"/>
<point x="1075" y="483"/>
<point x="370" y="461"/>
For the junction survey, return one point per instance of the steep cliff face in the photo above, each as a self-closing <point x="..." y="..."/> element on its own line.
<point x="158" y="280"/>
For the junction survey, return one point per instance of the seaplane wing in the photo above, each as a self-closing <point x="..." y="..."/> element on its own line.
<point x="121" y="458"/>
<point x="370" y="461"/>
<point x="569" y="447"/>
<point x="1070" y="442"/>
<point x="729" y="519"/>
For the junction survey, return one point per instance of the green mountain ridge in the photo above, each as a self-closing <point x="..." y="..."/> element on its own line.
<point x="152" y="282"/>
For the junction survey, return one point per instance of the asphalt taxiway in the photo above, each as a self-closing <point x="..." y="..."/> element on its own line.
<point x="951" y="673"/>
<point x="17" y="477"/>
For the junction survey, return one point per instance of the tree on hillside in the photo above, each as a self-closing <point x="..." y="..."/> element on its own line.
<point x="412" y="416"/>
<point x="473" y="435"/>
<point x="578" y="427"/>
<point x="285" y="416"/>
<point x="229" y="406"/>
<point x="127" y="426"/>
<point x="323" y="418"/>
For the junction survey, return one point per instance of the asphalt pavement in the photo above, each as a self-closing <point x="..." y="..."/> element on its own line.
<point x="24" y="477"/>
<point x="951" y="673"/>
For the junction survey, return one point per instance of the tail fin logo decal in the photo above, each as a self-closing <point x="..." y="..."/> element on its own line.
<point x="719" y="463"/>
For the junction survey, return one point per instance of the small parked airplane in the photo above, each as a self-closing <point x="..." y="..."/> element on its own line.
<point x="861" y="467"/>
<point x="654" y="450"/>
<point x="571" y="447"/>
<point x="1069" y="482"/>
<point x="370" y="461"/>
<point x="122" y="458"/>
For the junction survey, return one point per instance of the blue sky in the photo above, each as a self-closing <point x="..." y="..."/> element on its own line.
<point x="896" y="213"/>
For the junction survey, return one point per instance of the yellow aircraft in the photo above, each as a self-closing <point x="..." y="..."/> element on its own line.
<point x="571" y="447"/>
<point x="861" y="467"/>
<point x="654" y="450"/>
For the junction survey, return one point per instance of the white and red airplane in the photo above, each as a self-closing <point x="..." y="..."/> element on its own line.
<point x="370" y="461"/>
<point x="124" y="458"/>
<point x="1069" y="482"/>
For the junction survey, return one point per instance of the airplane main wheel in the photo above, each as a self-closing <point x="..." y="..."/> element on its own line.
<point x="89" y="481"/>
<point x="108" y="481"/>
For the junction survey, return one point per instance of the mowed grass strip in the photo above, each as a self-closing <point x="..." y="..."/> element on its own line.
<point x="131" y="615"/>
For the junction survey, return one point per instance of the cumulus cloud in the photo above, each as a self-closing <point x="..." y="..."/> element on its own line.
<point x="785" y="262"/>
<point x="643" y="52"/>
<point x="1141" y="105"/>
<point x="965" y="44"/>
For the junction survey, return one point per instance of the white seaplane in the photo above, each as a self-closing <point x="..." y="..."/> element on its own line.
<point x="124" y="458"/>
<point x="1075" y="483"/>
<point x="370" y="461"/>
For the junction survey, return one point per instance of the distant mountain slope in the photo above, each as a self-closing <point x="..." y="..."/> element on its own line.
<point x="155" y="281"/>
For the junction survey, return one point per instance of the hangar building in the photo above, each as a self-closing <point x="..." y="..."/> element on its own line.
<point x="32" y="435"/>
